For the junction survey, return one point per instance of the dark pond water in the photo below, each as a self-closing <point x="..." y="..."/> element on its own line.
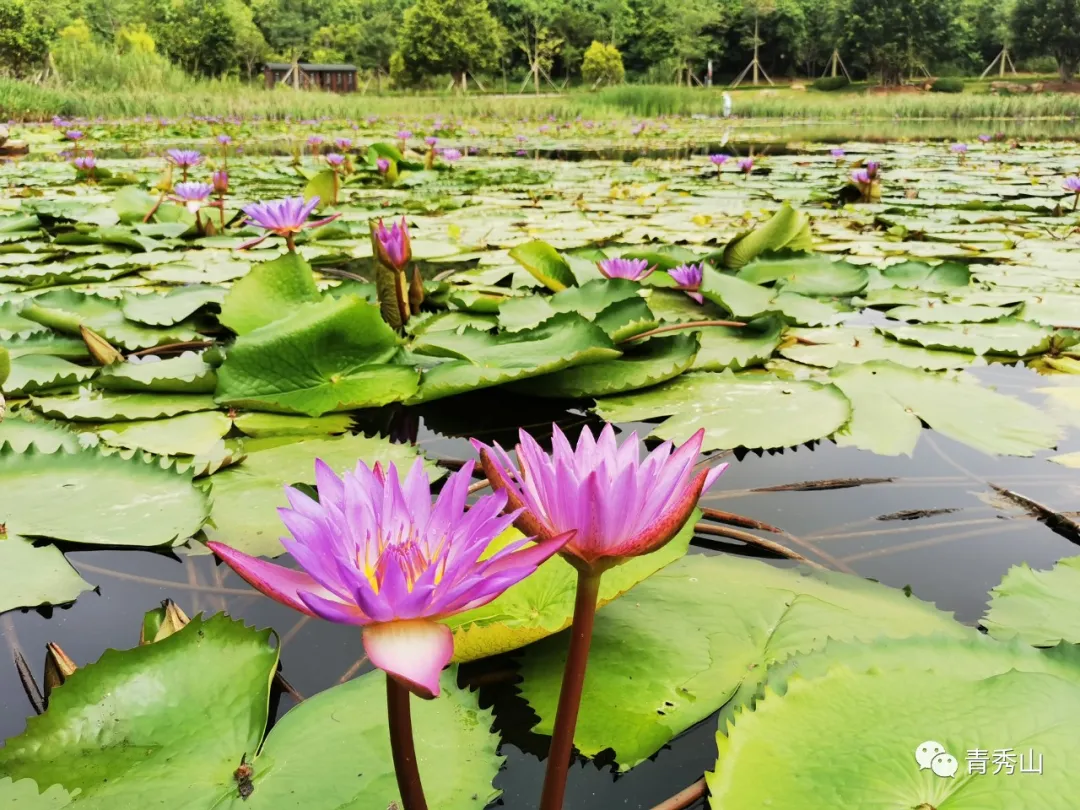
<point x="952" y="558"/>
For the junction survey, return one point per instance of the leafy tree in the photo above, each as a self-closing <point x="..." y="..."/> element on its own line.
<point x="1049" y="28"/>
<point x="288" y="25"/>
<point x="134" y="38"/>
<point x="199" y="36"/>
<point x="363" y="32"/>
<point x="24" y="39"/>
<point x="602" y="65"/>
<point x="887" y="37"/>
<point x="450" y="36"/>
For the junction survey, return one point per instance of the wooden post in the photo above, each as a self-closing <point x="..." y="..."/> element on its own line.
<point x="756" y="43"/>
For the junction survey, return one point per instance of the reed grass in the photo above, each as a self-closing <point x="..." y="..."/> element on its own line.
<point x="166" y="94"/>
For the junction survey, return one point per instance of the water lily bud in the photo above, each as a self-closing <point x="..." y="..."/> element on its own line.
<point x="58" y="667"/>
<point x="162" y="622"/>
<point x="416" y="291"/>
<point x="100" y="349"/>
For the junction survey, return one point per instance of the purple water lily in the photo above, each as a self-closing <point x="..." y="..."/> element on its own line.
<point x="184" y="158"/>
<point x="383" y="165"/>
<point x="451" y="155"/>
<point x="74" y="135"/>
<point x="689" y="278"/>
<point x="1072" y="185"/>
<point x="746" y="166"/>
<point x="718" y="160"/>
<point x="224" y="139"/>
<point x="393" y="244"/>
<point x="314" y="141"/>
<point x="192" y="195"/>
<point x="344" y="144"/>
<point x="632" y="269"/>
<point x="285" y="218"/>
<point x="377" y="553"/>
<point x="861" y="177"/>
<point x="86" y="163"/>
<point x="335" y="161"/>
<point x="431" y="140"/>
<point x="838" y="153"/>
<point x="984" y="138"/>
<point x="404" y="134"/>
<point x="959" y="148"/>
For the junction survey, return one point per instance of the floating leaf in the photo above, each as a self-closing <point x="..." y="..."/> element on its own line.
<point x="34" y="372"/>
<point x="191" y="434"/>
<point x="650" y="362"/>
<point x="109" y="407"/>
<point x="545" y="264"/>
<point x="1010" y="338"/>
<point x="751" y="410"/>
<point x="927" y="696"/>
<point x="120" y="732"/>
<point x="1038" y="607"/>
<point x="35" y="575"/>
<point x="832" y="346"/>
<point x="889" y="401"/>
<point x="188" y="373"/>
<point x="260" y="425"/>
<point x="485" y="360"/>
<point x="688" y="639"/>
<point x="173" y="307"/>
<point x="108" y="500"/>
<point x="269" y="292"/>
<point x="786" y="229"/>
<point x="949" y="313"/>
<point x="807" y="275"/>
<point x="21" y="430"/>
<point x="336" y="355"/>
<point x="737" y="348"/>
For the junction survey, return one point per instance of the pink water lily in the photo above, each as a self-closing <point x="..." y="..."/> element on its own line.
<point x="689" y="278"/>
<point x="632" y="269"/>
<point x="284" y="217"/>
<point x="377" y="553"/>
<point x="619" y="505"/>
<point x="393" y="244"/>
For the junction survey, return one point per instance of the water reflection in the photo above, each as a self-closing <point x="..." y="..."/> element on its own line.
<point x="952" y="558"/>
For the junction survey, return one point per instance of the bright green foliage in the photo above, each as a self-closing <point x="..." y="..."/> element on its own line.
<point x="271" y="291"/>
<point x="340" y="357"/>
<point x="1038" y="607"/>
<point x="24" y="39"/>
<point x="1049" y="27"/>
<point x="602" y="65"/>
<point x="148" y="504"/>
<point x="701" y="633"/>
<point x="450" y="36"/>
<point x="121" y="731"/>
<point x="964" y="698"/>
<point x="887" y="38"/>
<point x="545" y="264"/>
<point x="35" y="575"/>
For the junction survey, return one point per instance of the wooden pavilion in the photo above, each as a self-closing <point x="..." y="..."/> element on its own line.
<point x="309" y="76"/>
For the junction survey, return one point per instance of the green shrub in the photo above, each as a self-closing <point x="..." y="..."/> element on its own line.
<point x="947" y="86"/>
<point x="830" y="83"/>
<point x="602" y="65"/>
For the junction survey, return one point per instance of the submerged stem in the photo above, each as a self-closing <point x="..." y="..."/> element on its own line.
<point x="562" y="738"/>
<point x="401" y="744"/>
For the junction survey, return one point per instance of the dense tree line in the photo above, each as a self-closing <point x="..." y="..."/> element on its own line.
<point x="537" y="42"/>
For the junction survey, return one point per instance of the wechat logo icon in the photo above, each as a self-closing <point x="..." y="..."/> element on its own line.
<point x="933" y="755"/>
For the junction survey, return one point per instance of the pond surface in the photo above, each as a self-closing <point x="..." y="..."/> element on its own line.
<point x="931" y="522"/>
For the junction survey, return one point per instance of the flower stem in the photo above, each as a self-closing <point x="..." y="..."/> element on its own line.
<point x="562" y="738"/>
<point x="401" y="744"/>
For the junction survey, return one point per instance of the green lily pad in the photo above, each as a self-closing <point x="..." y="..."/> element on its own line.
<point x="545" y="264"/>
<point x="648" y="363"/>
<point x="261" y="425"/>
<point x="13" y="325"/>
<point x="191" y="434"/>
<point x="456" y="751"/>
<point x="832" y="346"/>
<point x="807" y="275"/>
<point x="35" y="575"/>
<point x="120" y="732"/>
<point x="688" y="639"/>
<point x="1010" y="338"/>
<point x="787" y="229"/>
<point x="749" y="410"/>
<point x="173" y="307"/>
<point x="736" y="348"/>
<point x="247" y="496"/>
<point x="188" y="373"/>
<point x="25" y="428"/>
<point x="889" y="401"/>
<point x="480" y="360"/>
<point x="891" y="713"/>
<point x="1047" y="309"/>
<point x="1038" y="607"/>
<point x="147" y="504"/>
<point x="67" y="310"/>
<point x="46" y="343"/>
<point x="34" y="372"/>
<point x="336" y="355"/>
<point x="108" y="407"/>
<point x="269" y="292"/>
<point x="949" y="313"/>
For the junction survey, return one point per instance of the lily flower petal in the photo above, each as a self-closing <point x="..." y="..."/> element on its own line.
<point x="413" y="653"/>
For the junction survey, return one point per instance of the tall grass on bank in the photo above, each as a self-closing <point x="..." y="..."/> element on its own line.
<point x="166" y="92"/>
